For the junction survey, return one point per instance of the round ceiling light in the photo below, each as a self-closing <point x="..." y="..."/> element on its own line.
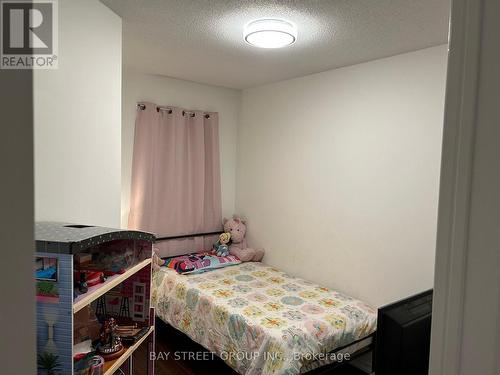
<point x="270" y="33"/>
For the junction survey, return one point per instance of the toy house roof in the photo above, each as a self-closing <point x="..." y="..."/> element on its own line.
<point x="68" y="238"/>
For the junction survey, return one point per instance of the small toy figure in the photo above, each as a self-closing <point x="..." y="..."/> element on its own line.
<point x="156" y="260"/>
<point x="221" y="247"/>
<point x="83" y="286"/>
<point x="110" y="345"/>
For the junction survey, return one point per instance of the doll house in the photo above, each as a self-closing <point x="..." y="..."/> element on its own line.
<point x="91" y="282"/>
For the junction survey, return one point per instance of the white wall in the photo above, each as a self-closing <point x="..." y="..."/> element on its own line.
<point x="338" y="174"/>
<point x="78" y="119"/>
<point x="162" y="90"/>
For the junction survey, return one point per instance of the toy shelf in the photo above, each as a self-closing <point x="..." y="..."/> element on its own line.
<point x="111" y="366"/>
<point x="98" y="290"/>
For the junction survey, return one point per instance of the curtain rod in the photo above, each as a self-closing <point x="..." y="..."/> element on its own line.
<point x="166" y="238"/>
<point x="142" y="107"/>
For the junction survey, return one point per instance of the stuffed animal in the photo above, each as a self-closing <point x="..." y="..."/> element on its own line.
<point x="237" y="228"/>
<point x="156" y="260"/>
<point x="221" y="248"/>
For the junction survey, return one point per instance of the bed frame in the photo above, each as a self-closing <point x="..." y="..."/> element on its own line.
<point x="323" y="370"/>
<point x="327" y="369"/>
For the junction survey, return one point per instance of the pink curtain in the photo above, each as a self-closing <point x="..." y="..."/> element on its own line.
<point x="175" y="175"/>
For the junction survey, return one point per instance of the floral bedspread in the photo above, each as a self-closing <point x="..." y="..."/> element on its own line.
<point x="258" y="319"/>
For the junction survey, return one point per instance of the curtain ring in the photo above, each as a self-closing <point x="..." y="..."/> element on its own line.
<point x="166" y="109"/>
<point x="191" y="114"/>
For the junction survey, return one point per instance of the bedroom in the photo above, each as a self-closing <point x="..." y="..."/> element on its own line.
<point x="326" y="155"/>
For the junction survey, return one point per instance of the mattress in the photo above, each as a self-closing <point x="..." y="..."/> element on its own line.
<point x="261" y="320"/>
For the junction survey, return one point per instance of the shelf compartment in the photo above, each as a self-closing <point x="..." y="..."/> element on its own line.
<point x="96" y="291"/>
<point x="111" y="366"/>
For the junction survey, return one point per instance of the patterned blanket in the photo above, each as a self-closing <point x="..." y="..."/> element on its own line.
<point x="200" y="262"/>
<point x="258" y="319"/>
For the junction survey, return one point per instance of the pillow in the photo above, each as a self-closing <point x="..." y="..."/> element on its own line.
<point x="200" y="262"/>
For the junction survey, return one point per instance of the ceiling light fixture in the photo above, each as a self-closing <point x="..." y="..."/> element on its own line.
<point x="270" y="33"/>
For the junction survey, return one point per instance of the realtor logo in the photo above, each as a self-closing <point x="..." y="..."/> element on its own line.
<point x="28" y="34"/>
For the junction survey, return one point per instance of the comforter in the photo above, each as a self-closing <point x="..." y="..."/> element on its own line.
<point x="258" y="319"/>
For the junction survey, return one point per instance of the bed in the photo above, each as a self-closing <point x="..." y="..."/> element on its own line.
<point x="261" y="320"/>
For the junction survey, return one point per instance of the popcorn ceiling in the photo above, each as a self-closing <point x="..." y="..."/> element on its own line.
<point x="202" y="41"/>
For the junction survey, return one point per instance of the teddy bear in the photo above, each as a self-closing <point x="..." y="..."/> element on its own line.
<point x="237" y="228"/>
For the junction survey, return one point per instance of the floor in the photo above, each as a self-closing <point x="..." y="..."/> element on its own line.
<point x="169" y="340"/>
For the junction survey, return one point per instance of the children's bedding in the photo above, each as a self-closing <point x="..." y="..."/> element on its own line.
<point x="200" y="262"/>
<point x="260" y="320"/>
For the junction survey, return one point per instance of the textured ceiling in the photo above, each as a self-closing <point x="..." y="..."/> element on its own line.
<point x="202" y="40"/>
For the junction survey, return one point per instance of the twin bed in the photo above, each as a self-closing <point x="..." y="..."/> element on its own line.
<point x="261" y="320"/>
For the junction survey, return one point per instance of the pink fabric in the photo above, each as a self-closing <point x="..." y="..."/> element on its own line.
<point x="200" y="262"/>
<point x="175" y="176"/>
